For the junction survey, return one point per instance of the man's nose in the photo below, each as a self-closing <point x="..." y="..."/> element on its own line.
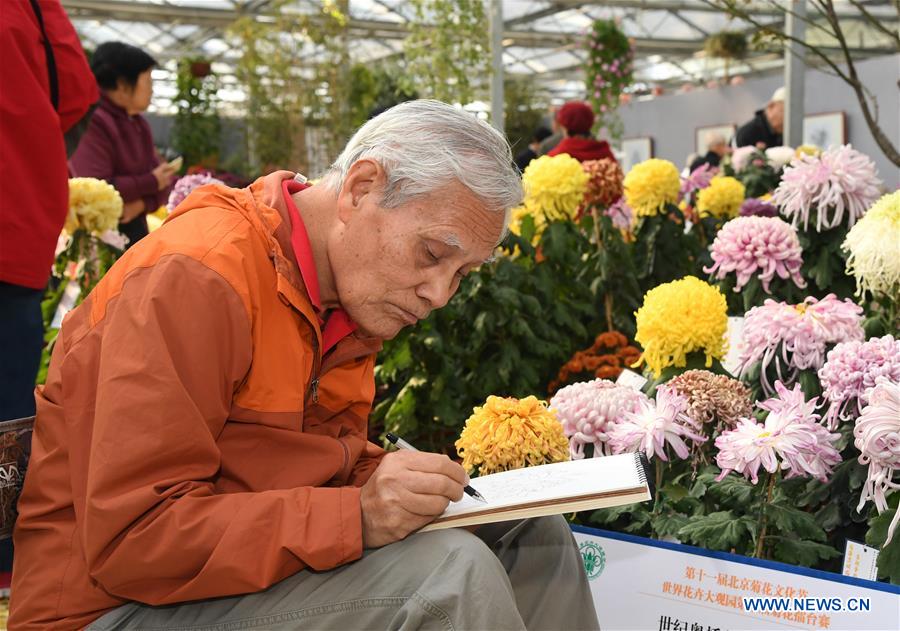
<point x="436" y="290"/>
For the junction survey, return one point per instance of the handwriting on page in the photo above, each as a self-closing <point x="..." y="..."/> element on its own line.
<point x="528" y="485"/>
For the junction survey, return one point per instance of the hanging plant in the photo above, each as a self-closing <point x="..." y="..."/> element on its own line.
<point x="726" y="45"/>
<point x="608" y="72"/>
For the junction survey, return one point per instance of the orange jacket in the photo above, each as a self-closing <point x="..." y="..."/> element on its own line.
<point x="181" y="450"/>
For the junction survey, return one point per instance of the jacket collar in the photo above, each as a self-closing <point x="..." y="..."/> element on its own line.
<point x="292" y="255"/>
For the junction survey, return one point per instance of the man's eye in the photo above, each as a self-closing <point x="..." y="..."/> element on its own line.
<point x="431" y="256"/>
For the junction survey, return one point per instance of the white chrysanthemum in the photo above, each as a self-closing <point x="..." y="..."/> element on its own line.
<point x="874" y="248"/>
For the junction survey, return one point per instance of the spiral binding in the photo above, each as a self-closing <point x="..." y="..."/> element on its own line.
<point x="644" y="475"/>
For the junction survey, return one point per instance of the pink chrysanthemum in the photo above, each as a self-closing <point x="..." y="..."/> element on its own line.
<point x="621" y="214"/>
<point x="740" y="157"/>
<point x="654" y="424"/>
<point x="791" y="435"/>
<point x="698" y="179"/>
<point x="761" y="246"/>
<point x="795" y="337"/>
<point x="852" y="368"/>
<point x="185" y="185"/>
<point x="838" y="181"/>
<point x="877" y="436"/>
<point x="587" y="410"/>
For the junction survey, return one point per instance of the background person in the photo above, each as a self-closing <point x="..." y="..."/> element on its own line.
<point x="717" y="148"/>
<point x="765" y="129"/>
<point x="118" y="145"/>
<point x="576" y="119"/>
<point x="532" y="151"/>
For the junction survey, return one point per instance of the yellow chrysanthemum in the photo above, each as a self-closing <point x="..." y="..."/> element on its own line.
<point x="722" y="198"/>
<point x="679" y="318"/>
<point x="875" y="255"/>
<point x="650" y="185"/>
<point x="94" y="205"/>
<point x="507" y="433"/>
<point x="554" y="188"/>
<point x="809" y="150"/>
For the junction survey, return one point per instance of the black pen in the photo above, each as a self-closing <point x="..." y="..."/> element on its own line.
<point x="402" y="444"/>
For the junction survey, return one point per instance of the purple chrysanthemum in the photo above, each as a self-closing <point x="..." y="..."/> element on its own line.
<point x="185" y="185"/>
<point x="837" y="181"/>
<point x="587" y="409"/>
<point x="791" y="435"/>
<point x="654" y="424"/>
<point x="621" y="214"/>
<point x="852" y="368"/>
<point x="760" y="246"/>
<point x="795" y="337"/>
<point x="753" y="207"/>
<point x="699" y="178"/>
<point x="877" y="436"/>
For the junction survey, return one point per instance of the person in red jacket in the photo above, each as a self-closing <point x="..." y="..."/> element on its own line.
<point x="576" y="118"/>
<point x="46" y="88"/>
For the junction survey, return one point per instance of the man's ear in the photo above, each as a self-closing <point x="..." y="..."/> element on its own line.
<point x="365" y="178"/>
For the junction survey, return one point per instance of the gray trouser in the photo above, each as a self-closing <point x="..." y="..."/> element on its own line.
<point x="514" y="575"/>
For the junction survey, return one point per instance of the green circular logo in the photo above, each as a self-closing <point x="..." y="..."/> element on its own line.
<point x="594" y="558"/>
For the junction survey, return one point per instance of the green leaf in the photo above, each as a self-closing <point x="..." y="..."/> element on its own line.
<point x="721" y="530"/>
<point x="797" y="522"/>
<point x="888" y="556"/>
<point x="698" y="490"/>
<point x="668" y="525"/>
<point x="800" y="552"/>
<point x="829" y="516"/>
<point x="809" y="383"/>
<point x="674" y="492"/>
<point x="733" y="489"/>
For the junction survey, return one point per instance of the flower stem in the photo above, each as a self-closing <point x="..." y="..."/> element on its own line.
<point x="763" y="517"/>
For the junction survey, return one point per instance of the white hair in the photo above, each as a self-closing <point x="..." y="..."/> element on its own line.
<point x="425" y="145"/>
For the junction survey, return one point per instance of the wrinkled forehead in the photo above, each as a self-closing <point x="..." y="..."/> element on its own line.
<point x="461" y="221"/>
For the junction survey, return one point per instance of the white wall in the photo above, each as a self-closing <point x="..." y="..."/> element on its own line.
<point x="671" y="120"/>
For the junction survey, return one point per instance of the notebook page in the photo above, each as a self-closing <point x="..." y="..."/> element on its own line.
<point x="551" y="482"/>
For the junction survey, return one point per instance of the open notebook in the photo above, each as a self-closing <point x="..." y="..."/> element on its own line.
<point x="551" y="489"/>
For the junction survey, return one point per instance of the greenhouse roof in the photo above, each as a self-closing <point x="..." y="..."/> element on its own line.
<point x="542" y="40"/>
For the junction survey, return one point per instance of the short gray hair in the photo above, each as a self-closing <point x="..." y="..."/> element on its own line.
<point x="424" y="145"/>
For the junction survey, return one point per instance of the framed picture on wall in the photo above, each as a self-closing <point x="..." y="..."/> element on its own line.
<point x="704" y="134"/>
<point x="635" y="150"/>
<point x="825" y="129"/>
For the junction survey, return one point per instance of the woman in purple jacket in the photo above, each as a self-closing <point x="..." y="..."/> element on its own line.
<point x="118" y="146"/>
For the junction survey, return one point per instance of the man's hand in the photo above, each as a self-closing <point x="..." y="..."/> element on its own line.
<point x="407" y="490"/>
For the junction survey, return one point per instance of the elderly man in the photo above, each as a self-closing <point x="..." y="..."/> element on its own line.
<point x="767" y="125"/>
<point x="716" y="148"/>
<point x="200" y="455"/>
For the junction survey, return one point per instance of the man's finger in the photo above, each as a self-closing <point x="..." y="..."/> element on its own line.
<point x="423" y="483"/>
<point x="435" y="463"/>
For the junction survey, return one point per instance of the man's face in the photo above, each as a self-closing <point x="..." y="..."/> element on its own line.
<point x="392" y="266"/>
<point x="775" y="115"/>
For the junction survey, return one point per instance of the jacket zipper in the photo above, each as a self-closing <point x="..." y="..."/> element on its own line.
<point x="312" y="389"/>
